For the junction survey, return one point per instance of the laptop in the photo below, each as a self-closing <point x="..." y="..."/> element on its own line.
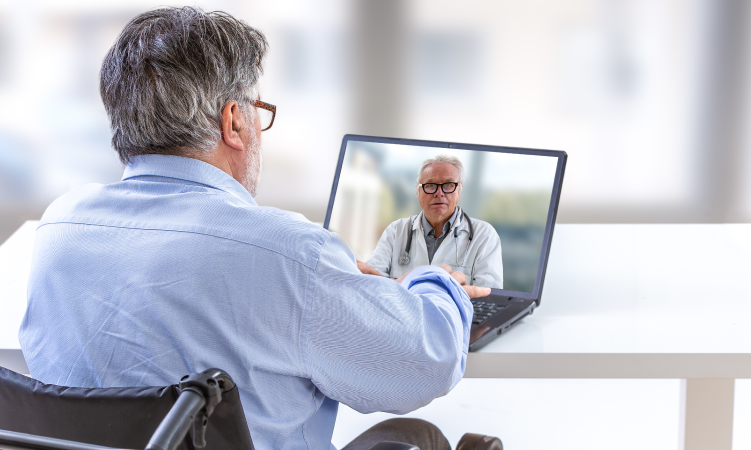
<point x="514" y="190"/>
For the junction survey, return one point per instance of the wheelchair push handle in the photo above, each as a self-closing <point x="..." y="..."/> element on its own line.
<point x="199" y="395"/>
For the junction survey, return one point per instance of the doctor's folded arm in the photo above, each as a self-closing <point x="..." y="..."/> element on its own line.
<point x="442" y="234"/>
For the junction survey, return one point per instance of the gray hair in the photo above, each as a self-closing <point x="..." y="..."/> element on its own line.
<point x="442" y="159"/>
<point x="169" y="74"/>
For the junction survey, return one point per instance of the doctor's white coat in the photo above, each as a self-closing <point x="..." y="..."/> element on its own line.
<point x="484" y="264"/>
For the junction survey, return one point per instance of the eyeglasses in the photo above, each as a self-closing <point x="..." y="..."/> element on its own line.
<point x="432" y="188"/>
<point x="266" y="113"/>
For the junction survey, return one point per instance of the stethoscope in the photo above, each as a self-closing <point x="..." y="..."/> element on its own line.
<point x="405" y="259"/>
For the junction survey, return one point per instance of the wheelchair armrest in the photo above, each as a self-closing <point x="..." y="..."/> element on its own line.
<point x="391" y="445"/>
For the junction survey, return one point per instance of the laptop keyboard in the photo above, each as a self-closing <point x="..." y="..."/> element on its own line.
<point x="483" y="310"/>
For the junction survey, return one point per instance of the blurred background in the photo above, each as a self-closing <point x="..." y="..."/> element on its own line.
<point x="650" y="98"/>
<point x="511" y="192"/>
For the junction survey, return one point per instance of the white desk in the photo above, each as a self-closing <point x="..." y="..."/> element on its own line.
<point x="641" y="301"/>
<point x="15" y="261"/>
<point x="620" y="301"/>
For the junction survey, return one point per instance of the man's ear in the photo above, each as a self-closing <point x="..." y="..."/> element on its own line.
<point x="233" y="122"/>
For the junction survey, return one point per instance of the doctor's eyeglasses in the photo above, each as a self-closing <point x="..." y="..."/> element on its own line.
<point x="266" y="113"/>
<point x="432" y="188"/>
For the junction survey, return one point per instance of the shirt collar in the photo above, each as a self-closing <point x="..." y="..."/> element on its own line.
<point x="187" y="169"/>
<point x="427" y="228"/>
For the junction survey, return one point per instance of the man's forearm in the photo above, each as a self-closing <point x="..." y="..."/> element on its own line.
<point x="376" y="346"/>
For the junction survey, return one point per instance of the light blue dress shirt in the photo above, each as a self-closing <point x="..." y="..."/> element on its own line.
<point x="175" y="269"/>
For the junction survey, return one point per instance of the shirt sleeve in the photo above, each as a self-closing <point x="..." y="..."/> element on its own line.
<point x="381" y="257"/>
<point x="376" y="345"/>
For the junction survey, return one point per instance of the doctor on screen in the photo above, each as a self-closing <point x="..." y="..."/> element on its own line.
<point x="442" y="233"/>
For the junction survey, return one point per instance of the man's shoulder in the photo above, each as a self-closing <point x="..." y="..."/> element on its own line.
<point x="477" y="223"/>
<point x="401" y="223"/>
<point x="485" y="228"/>
<point x="180" y="211"/>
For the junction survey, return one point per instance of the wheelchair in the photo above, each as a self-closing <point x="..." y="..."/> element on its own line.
<point x="38" y="416"/>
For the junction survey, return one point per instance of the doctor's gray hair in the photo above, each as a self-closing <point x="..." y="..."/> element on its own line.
<point x="168" y="75"/>
<point x="442" y="159"/>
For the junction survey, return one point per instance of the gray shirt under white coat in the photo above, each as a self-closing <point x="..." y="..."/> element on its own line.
<point x="432" y="242"/>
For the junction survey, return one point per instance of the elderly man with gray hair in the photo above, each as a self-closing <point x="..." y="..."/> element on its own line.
<point x="175" y="269"/>
<point x="441" y="234"/>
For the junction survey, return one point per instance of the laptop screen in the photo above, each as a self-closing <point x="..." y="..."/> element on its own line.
<point x="514" y="191"/>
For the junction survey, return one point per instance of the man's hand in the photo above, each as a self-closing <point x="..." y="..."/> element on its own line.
<point x="401" y="278"/>
<point x="445" y="267"/>
<point x="472" y="291"/>
<point x="366" y="269"/>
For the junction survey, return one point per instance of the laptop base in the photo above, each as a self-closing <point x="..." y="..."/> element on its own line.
<point x="508" y="311"/>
